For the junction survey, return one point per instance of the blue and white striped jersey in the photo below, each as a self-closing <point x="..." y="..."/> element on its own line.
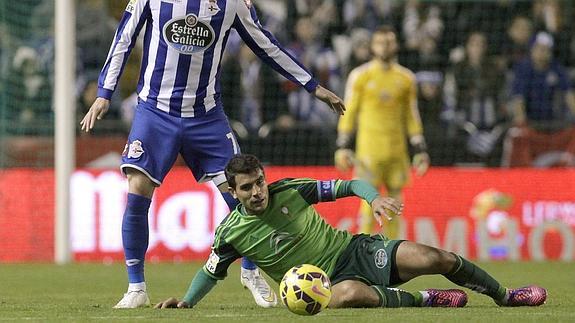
<point x="183" y="45"/>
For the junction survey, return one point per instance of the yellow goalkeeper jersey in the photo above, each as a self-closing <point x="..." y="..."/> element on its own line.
<point x="381" y="106"/>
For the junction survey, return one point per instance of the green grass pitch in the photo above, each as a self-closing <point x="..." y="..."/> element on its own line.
<point x="87" y="292"/>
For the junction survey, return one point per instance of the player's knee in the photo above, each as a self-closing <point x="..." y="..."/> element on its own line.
<point x="139" y="183"/>
<point x="347" y="294"/>
<point x="440" y="260"/>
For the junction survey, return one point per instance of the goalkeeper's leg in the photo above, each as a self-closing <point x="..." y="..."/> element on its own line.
<point x="390" y="228"/>
<point x="366" y="218"/>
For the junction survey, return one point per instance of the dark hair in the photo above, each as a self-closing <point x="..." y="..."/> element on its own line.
<point x="241" y="164"/>
<point x="384" y="29"/>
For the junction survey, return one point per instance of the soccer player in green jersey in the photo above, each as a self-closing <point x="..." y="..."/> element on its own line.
<point x="277" y="228"/>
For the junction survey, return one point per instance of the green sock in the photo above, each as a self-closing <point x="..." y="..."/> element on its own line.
<point x="394" y="297"/>
<point x="467" y="274"/>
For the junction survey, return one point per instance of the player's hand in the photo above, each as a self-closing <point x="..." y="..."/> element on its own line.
<point x="387" y="207"/>
<point x="343" y="159"/>
<point x="172" y="302"/>
<point x="96" y="112"/>
<point x="332" y="100"/>
<point x="420" y="163"/>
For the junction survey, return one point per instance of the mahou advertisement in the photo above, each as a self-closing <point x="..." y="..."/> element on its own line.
<point x="485" y="214"/>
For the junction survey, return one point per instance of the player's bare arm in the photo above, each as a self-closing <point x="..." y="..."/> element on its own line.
<point x="387" y="207"/>
<point x="96" y="112"/>
<point x="333" y="101"/>
<point x="172" y="302"/>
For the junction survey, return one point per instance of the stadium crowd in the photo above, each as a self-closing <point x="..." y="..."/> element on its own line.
<point x="495" y="78"/>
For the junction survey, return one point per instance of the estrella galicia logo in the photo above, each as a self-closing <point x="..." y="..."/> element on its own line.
<point x="188" y="34"/>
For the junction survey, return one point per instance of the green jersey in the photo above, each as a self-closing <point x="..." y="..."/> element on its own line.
<point x="289" y="232"/>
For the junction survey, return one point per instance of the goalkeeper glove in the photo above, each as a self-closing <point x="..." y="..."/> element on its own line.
<point x="343" y="158"/>
<point x="421" y="163"/>
<point x="420" y="160"/>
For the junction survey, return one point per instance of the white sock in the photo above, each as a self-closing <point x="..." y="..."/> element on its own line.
<point x="137" y="286"/>
<point x="425" y="296"/>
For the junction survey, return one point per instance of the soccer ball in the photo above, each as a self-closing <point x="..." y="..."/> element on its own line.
<point x="305" y="289"/>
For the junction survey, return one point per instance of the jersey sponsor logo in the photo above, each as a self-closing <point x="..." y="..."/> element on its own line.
<point x="131" y="6"/>
<point x="380" y="258"/>
<point x="278" y="237"/>
<point x="212" y="263"/>
<point x="135" y="149"/>
<point x="188" y="34"/>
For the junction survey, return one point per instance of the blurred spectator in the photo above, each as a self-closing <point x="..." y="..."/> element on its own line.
<point x="94" y="30"/>
<point x="543" y="133"/>
<point x="475" y="103"/>
<point x="360" y="52"/>
<point x="421" y="23"/>
<point x="430" y="103"/>
<point x="422" y="31"/>
<point x="324" y="65"/>
<point x="325" y="16"/>
<point x="490" y="17"/>
<point x="252" y="95"/>
<point x="30" y="92"/>
<point x="87" y="93"/>
<point x="550" y="16"/>
<point x="369" y="14"/>
<point x="515" y="47"/>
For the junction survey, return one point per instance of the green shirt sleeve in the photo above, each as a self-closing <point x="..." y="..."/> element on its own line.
<point x="200" y="286"/>
<point x="356" y="187"/>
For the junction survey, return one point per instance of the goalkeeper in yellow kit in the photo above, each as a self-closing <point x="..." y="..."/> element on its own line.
<point x="381" y="101"/>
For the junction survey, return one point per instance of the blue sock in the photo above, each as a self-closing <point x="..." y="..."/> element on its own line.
<point x="230" y="200"/>
<point x="248" y="264"/>
<point x="135" y="236"/>
<point x="232" y="203"/>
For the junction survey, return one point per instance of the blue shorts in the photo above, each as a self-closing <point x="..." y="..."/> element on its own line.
<point x="206" y="143"/>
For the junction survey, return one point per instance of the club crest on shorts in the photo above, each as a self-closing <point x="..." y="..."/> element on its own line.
<point x="380" y="258"/>
<point x="135" y="149"/>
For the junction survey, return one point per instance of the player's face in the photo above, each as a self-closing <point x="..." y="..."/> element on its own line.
<point x="384" y="45"/>
<point x="252" y="191"/>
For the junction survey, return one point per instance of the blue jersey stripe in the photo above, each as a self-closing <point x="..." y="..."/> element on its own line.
<point x="218" y="87"/>
<point x="208" y="61"/>
<point x="146" y="51"/>
<point x="158" y="73"/>
<point x="125" y="18"/>
<point x="181" y="81"/>
<point x="143" y="19"/>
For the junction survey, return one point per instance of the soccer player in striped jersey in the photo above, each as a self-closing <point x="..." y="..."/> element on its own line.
<point x="180" y="109"/>
<point x="278" y="228"/>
